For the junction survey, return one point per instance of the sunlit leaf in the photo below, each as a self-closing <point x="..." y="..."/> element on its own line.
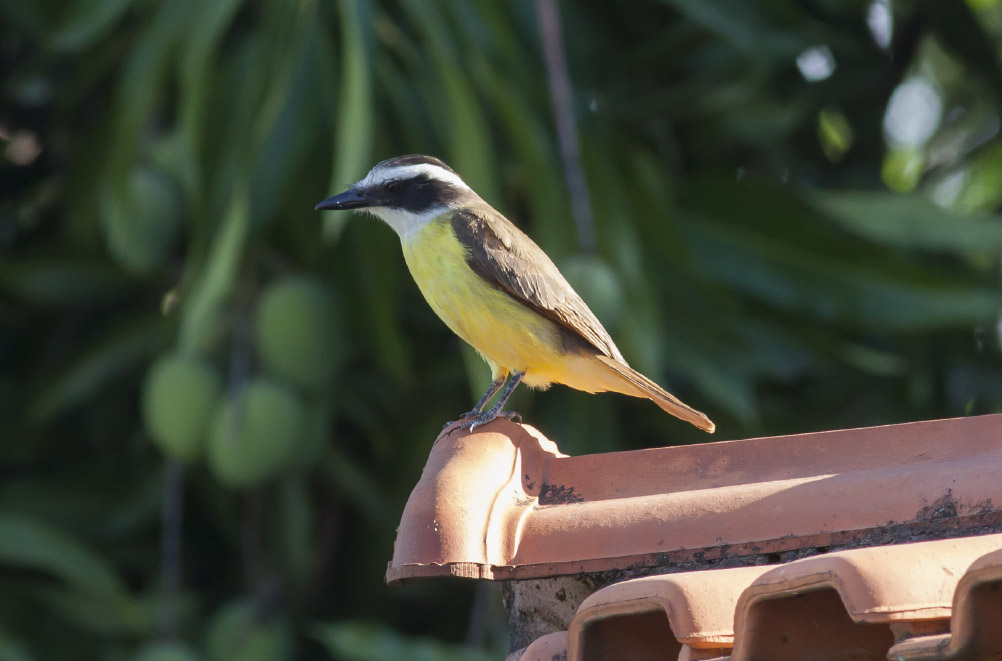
<point x="960" y="32"/>
<point x="912" y="221"/>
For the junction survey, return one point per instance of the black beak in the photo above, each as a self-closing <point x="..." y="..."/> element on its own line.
<point x="350" y="199"/>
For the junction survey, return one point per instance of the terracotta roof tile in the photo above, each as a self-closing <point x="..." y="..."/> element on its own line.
<point x="503" y="503"/>
<point x="850" y="599"/>
<point x="974" y="629"/>
<point x="669" y="613"/>
<point x="551" y="647"/>
<point x="690" y="654"/>
<point x="571" y="535"/>
<point x="846" y="605"/>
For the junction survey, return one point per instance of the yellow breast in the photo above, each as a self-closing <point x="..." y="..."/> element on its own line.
<point x="509" y="335"/>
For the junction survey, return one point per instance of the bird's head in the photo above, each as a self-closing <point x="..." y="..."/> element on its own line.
<point x="406" y="192"/>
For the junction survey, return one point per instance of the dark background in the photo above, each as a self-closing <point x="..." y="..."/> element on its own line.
<point x="214" y="401"/>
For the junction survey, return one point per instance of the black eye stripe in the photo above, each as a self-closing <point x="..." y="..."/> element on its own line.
<point x="416" y="193"/>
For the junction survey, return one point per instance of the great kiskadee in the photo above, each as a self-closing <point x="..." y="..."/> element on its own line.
<point x="496" y="289"/>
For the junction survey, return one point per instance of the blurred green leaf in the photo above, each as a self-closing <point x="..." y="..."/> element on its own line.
<point x="196" y="77"/>
<point x="353" y="119"/>
<point x="911" y="222"/>
<point x="167" y="651"/>
<point x="27" y="543"/>
<point x="766" y="242"/>
<point x="357" y="485"/>
<point x="296" y="534"/>
<point x="240" y="631"/>
<point x="200" y="315"/>
<point x="960" y="32"/>
<point x="103" y="615"/>
<point x="835" y="133"/>
<point x="369" y="641"/>
<point x="12" y="649"/>
<point x="141" y="217"/>
<point x="982" y="188"/>
<point x="98" y="365"/>
<point x="463" y="126"/>
<point x="85" y="21"/>
<point x="141" y="83"/>
<point x="55" y="282"/>
<point x="743" y="25"/>
<point x="902" y="168"/>
<point x="381" y="296"/>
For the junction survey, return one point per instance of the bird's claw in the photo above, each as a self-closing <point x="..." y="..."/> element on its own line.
<point x="483" y="418"/>
<point x="465" y="416"/>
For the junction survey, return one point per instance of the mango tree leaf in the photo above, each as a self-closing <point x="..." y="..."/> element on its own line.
<point x="369" y="641"/>
<point x="219" y="277"/>
<point x="357" y="485"/>
<point x="86" y="21"/>
<point x="28" y="543"/>
<point x="97" y="366"/>
<point x="353" y="119"/>
<point x="53" y="282"/>
<point x="742" y="25"/>
<point x="958" y="30"/>
<point x="911" y="221"/>
<point x="140" y="85"/>
<point x="765" y="241"/>
<point x="106" y="615"/>
<point x="12" y="649"/>
<point x="195" y="71"/>
<point x="291" y="137"/>
<point x="462" y="121"/>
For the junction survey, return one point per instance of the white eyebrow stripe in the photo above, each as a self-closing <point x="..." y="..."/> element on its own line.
<point x="379" y="176"/>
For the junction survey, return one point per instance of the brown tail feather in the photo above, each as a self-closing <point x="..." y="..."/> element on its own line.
<point x="659" y="395"/>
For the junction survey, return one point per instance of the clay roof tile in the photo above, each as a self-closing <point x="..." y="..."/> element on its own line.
<point x="693" y="609"/>
<point x="849" y="599"/>
<point x="715" y="523"/>
<point x="551" y="647"/>
<point x="974" y="630"/>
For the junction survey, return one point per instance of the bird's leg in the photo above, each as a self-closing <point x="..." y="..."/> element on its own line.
<point x="492" y="389"/>
<point x="513" y="380"/>
<point x="479" y="407"/>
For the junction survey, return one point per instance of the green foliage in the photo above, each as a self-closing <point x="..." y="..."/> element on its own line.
<point x="165" y="651"/>
<point x="297" y="331"/>
<point x="369" y="641"/>
<point x="786" y="251"/>
<point x="178" y="395"/>
<point x="257" y="433"/>
<point x="239" y="631"/>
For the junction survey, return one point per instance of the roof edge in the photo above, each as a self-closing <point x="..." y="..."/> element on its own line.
<point x="504" y="504"/>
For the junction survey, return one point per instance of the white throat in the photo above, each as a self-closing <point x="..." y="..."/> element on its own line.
<point x="407" y="223"/>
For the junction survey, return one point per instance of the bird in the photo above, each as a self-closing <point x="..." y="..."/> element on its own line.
<point x="496" y="289"/>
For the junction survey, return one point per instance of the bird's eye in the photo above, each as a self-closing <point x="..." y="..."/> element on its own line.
<point x="392" y="186"/>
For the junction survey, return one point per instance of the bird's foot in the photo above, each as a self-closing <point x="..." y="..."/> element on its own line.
<point x="490" y="416"/>
<point x="477" y="418"/>
<point x="466" y="416"/>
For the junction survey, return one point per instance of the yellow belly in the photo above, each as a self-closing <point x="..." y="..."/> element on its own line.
<point x="509" y="335"/>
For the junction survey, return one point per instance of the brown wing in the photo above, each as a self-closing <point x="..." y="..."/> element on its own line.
<point x="505" y="257"/>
